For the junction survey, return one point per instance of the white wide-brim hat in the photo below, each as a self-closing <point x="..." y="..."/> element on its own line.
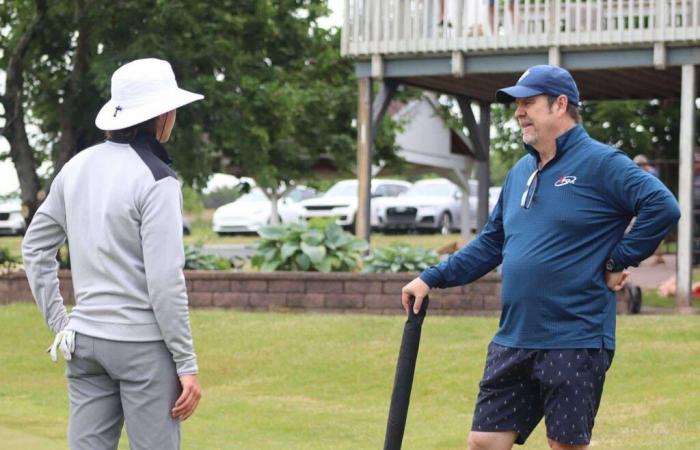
<point x="141" y="90"/>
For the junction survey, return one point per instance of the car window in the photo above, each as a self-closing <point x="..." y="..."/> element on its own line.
<point x="295" y="195"/>
<point x="299" y="194"/>
<point x="308" y="193"/>
<point x="342" y="190"/>
<point x="397" y="189"/>
<point x="431" y="189"/>
<point x="383" y="190"/>
<point x="255" y="195"/>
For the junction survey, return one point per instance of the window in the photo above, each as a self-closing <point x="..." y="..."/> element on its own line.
<point x="382" y="191"/>
<point x="397" y="189"/>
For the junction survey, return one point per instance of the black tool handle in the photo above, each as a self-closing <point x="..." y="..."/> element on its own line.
<point x="403" y="380"/>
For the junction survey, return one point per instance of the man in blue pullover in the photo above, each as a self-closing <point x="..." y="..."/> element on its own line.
<point x="559" y="232"/>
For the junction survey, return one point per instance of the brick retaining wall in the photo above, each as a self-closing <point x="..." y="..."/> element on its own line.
<point x="307" y="291"/>
<point x="302" y="291"/>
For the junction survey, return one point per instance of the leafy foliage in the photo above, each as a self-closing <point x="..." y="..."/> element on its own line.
<point x="278" y="95"/>
<point x="221" y="196"/>
<point x="650" y="127"/>
<point x="640" y="126"/>
<point x="9" y="262"/>
<point x="192" y="201"/>
<point x="304" y="247"/>
<point x="400" y="257"/>
<point x="196" y="260"/>
<point x="506" y="145"/>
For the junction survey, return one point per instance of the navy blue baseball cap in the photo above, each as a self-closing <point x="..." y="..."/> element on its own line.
<point x="538" y="80"/>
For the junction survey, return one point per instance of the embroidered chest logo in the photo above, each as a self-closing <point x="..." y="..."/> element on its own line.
<point x="564" y="180"/>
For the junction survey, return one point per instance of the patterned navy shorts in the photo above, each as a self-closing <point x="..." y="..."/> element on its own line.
<point x="520" y="386"/>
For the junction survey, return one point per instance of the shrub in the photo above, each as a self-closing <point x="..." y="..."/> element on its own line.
<point x="191" y="200"/>
<point x="196" y="260"/>
<point x="400" y="258"/>
<point x="308" y="247"/>
<point x="63" y="257"/>
<point x="9" y="262"/>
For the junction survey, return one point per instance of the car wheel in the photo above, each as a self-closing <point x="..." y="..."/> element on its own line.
<point x="445" y="223"/>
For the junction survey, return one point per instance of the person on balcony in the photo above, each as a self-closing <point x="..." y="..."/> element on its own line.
<point x="127" y="342"/>
<point x="492" y="13"/>
<point x="476" y="28"/>
<point x="558" y="232"/>
<point x="442" y="18"/>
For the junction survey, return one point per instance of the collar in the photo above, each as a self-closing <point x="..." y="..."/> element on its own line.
<point x="148" y="142"/>
<point x="564" y="142"/>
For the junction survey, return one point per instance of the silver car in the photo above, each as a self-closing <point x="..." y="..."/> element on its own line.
<point x="341" y="202"/>
<point x="430" y="205"/>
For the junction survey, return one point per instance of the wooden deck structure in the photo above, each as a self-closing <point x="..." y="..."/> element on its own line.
<point x="615" y="49"/>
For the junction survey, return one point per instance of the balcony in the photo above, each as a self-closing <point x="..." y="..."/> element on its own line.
<point x="420" y="27"/>
<point x="615" y="49"/>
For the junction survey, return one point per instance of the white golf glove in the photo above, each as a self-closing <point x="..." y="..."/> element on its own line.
<point x="65" y="342"/>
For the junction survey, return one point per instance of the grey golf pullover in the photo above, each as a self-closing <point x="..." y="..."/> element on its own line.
<point x="120" y="207"/>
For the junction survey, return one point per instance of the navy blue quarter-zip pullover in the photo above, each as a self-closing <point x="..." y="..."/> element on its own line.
<point x="553" y="251"/>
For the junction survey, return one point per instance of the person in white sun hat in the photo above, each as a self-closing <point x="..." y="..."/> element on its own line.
<point x="127" y="342"/>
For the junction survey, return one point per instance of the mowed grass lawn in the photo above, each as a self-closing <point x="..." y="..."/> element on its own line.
<point x="294" y="381"/>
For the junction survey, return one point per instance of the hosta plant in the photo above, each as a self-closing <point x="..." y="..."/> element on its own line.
<point x="195" y="259"/>
<point x="317" y="247"/>
<point x="400" y="258"/>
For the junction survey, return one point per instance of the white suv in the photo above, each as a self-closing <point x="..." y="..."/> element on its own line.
<point x="341" y="200"/>
<point x="11" y="218"/>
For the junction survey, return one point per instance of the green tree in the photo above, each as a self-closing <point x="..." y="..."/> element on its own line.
<point x="277" y="93"/>
<point x="21" y="25"/>
<point x="650" y="127"/>
<point x="506" y="145"/>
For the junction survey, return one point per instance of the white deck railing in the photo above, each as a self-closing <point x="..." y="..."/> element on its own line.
<point x="425" y="26"/>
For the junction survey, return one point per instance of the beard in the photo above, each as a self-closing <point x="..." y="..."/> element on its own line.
<point x="530" y="137"/>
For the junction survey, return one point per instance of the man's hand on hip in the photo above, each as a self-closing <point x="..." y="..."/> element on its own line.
<point x="616" y="280"/>
<point x="189" y="399"/>
<point x="416" y="288"/>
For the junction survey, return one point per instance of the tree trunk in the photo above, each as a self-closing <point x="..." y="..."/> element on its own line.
<point x="274" y="213"/>
<point x="67" y="146"/>
<point x="14" y="129"/>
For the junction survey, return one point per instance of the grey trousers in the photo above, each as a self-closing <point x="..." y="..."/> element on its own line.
<point x="110" y="382"/>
